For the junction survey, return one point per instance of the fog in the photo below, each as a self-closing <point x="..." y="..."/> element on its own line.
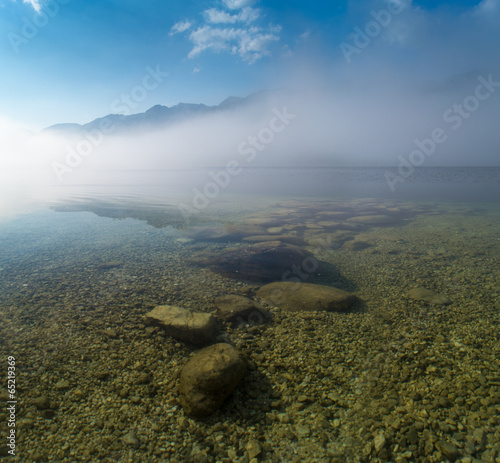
<point x="355" y="124"/>
<point x="426" y="90"/>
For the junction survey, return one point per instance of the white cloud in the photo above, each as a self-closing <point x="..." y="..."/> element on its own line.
<point x="34" y="3"/>
<point x="237" y="4"/>
<point x="250" y="44"/>
<point x="181" y="26"/>
<point x="488" y="7"/>
<point x="196" y="70"/>
<point x="246" y="15"/>
<point x="304" y="37"/>
<point x="253" y="44"/>
<point x="230" y="31"/>
<point x="286" y="52"/>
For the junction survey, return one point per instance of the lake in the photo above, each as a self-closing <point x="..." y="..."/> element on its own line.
<point x="409" y="372"/>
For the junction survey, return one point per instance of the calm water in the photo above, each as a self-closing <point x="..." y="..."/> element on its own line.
<point x="81" y="264"/>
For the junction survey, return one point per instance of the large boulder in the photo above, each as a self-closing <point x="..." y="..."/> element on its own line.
<point x="305" y="297"/>
<point x="239" y="309"/>
<point x="184" y="324"/>
<point x="209" y="378"/>
<point x="267" y="261"/>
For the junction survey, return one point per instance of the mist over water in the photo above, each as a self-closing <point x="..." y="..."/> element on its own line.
<point x="386" y="124"/>
<point x="205" y="191"/>
<point x="423" y="91"/>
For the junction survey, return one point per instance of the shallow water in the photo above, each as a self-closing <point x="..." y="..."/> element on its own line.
<point x="79" y="272"/>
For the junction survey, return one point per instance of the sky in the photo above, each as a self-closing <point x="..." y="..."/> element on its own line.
<point x="375" y="77"/>
<point x="70" y="60"/>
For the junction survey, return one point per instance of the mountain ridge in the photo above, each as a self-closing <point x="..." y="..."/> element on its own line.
<point x="160" y="116"/>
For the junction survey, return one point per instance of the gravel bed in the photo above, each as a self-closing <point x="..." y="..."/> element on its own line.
<point x="394" y="380"/>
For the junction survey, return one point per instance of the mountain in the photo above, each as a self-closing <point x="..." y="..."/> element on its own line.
<point x="160" y="116"/>
<point x="154" y="117"/>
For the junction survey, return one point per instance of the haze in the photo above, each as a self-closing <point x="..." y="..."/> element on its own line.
<point x="369" y="83"/>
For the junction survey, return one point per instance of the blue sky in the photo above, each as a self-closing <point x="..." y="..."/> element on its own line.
<point x="71" y="60"/>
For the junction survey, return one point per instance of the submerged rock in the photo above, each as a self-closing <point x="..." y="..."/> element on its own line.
<point x="184" y="324"/>
<point x="110" y="265"/>
<point x="209" y="378"/>
<point x="333" y="215"/>
<point x="377" y="219"/>
<point x="209" y="233"/>
<point x="260" y="262"/>
<point x="426" y="295"/>
<point x="131" y="439"/>
<point x="62" y="385"/>
<point x="328" y="240"/>
<point x="305" y="297"/>
<point x="356" y="245"/>
<point x="290" y="239"/>
<point x="240" y="309"/>
<point x="42" y="403"/>
<point x="264" y="221"/>
<point x="448" y="450"/>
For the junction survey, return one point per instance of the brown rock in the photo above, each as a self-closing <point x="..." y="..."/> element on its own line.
<point x="448" y="450"/>
<point x="296" y="241"/>
<point x="209" y="378"/>
<point x="356" y="245"/>
<point x="329" y="223"/>
<point x="264" y="221"/>
<point x="240" y="309"/>
<point x="305" y="296"/>
<point x="184" y="324"/>
<point x="426" y="295"/>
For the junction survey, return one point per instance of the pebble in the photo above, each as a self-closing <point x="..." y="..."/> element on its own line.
<point x="41" y="403"/>
<point x="111" y="333"/>
<point x="379" y="442"/>
<point x="284" y="418"/>
<point x="448" y="449"/>
<point x="253" y="448"/>
<point x="302" y="431"/>
<point x="131" y="439"/>
<point x="318" y="388"/>
<point x="62" y="385"/>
